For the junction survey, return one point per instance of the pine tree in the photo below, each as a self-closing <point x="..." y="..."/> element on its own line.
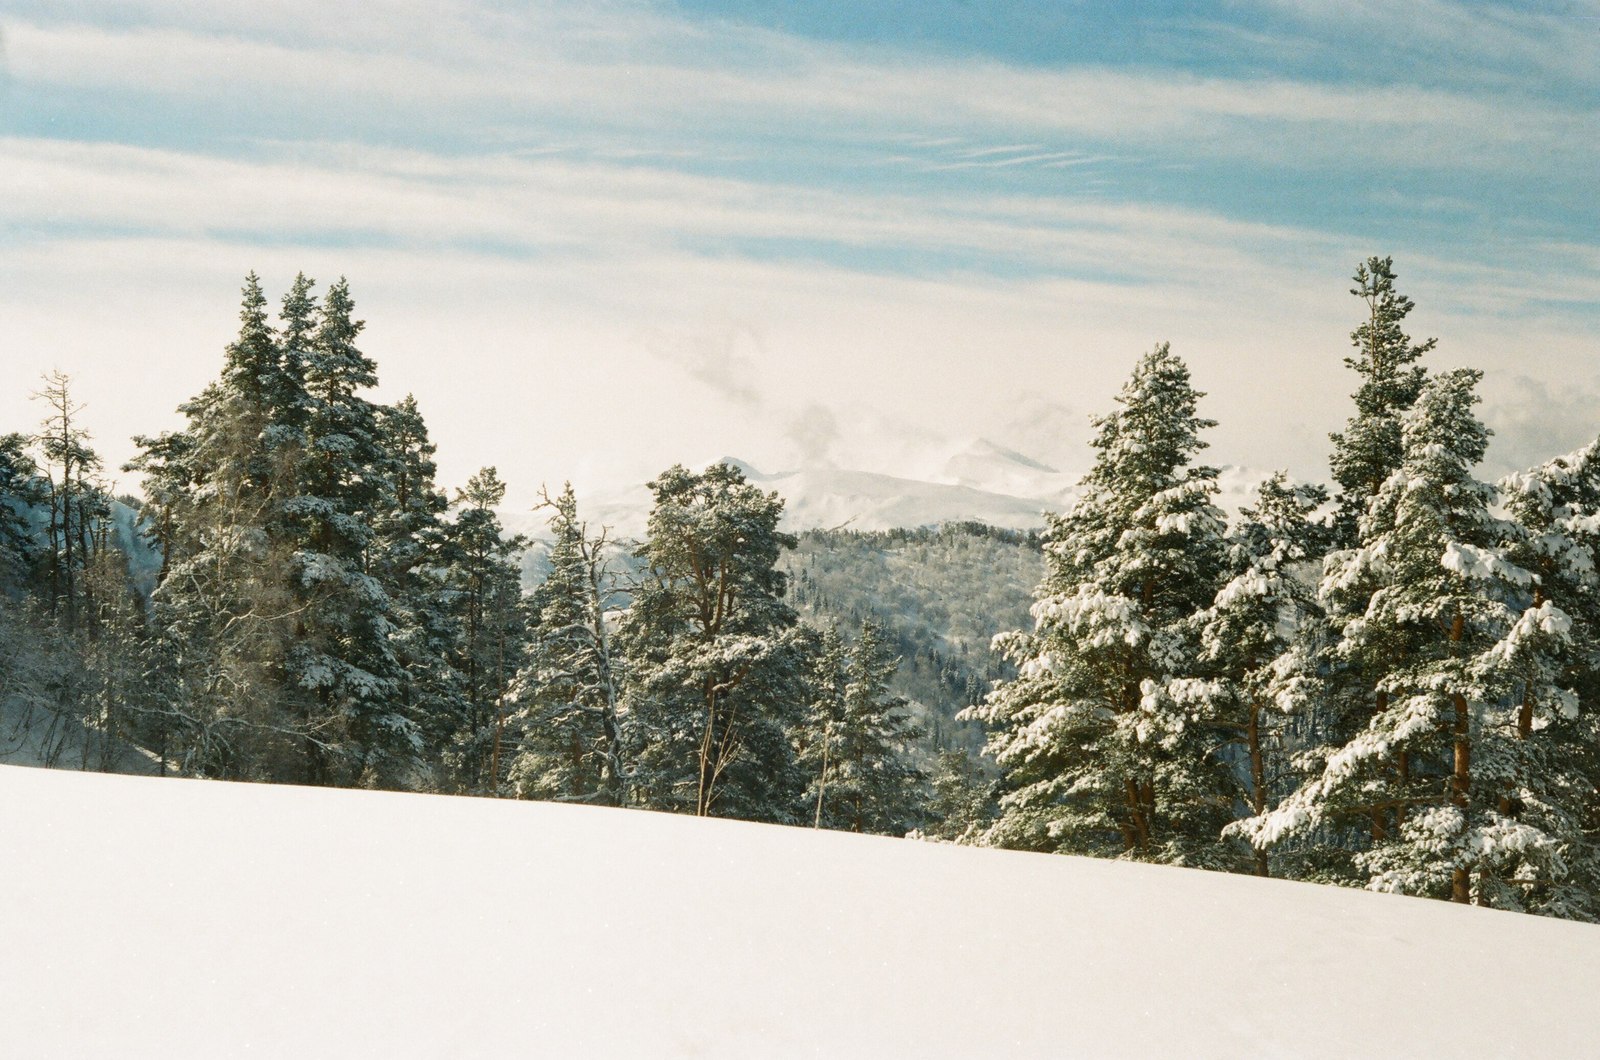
<point x="483" y="584"/>
<point x="21" y="491"/>
<point x="855" y="739"/>
<point x="1427" y="612"/>
<point x="963" y="803"/>
<point x="411" y="554"/>
<point x="568" y="694"/>
<point x="341" y="671"/>
<point x="74" y="498"/>
<point x="715" y="666"/>
<point x="1369" y="449"/>
<point x="1100" y="752"/>
<point x="1556" y="683"/>
<point x="276" y="635"/>
<point x="225" y="605"/>
<point x="1252" y="663"/>
<point x="819" y="732"/>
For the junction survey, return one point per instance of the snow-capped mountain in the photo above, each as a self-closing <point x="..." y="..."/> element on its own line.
<point x="993" y="468"/>
<point x="982" y="481"/>
<point x="865" y="500"/>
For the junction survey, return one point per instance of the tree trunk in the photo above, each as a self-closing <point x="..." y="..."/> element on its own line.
<point x="1258" y="781"/>
<point x="822" y="780"/>
<point x="1380" y="826"/>
<point x="1461" y="775"/>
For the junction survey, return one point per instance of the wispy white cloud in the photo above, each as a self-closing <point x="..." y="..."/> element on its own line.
<point x="746" y="226"/>
<point x="758" y="78"/>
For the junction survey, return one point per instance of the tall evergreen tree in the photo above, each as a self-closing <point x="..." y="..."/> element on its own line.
<point x="1556" y="681"/>
<point x="568" y="694"/>
<point x="715" y="666"/>
<point x="341" y="670"/>
<point x="74" y="499"/>
<point x="855" y="739"/>
<point x="1100" y="754"/>
<point x="1427" y="610"/>
<point x="484" y="589"/>
<point x="1252" y="669"/>
<point x="225" y="604"/>
<point x="410" y="556"/>
<point x="21" y="491"/>
<point x="1369" y="449"/>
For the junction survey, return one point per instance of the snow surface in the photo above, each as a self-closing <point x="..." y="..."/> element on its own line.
<point x="142" y="916"/>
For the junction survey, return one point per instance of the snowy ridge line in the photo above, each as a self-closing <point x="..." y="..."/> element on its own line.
<point x="186" y="917"/>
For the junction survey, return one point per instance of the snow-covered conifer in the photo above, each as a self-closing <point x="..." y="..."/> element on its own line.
<point x="21" y="490"/>
<point x="1099" y="755"/>
<point x="1556" y="680"/>
<point x="410" y="557"/>
<point x="1369" y="448"/>
<point x="483" y="588"/>
<point x="854" y="740"/>
<point x="568" y="693"/>
<point x="1253" y="669"/>
<point x="224" y="602"/>
<point x="341" y="670"/>
<point x="1428" y="612"/>
<point x="716" y="676"/>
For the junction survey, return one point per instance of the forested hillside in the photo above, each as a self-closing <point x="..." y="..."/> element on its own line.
<point x="941" y="595"/>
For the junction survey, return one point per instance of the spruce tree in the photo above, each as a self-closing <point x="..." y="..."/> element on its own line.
<point x="963" y="801"/>
<point x="410" y="557"/>
<point x="855" y="739"/>
<point x="819" y="731"/>
<point x="1252" y="672"/>
<point x="484" y="590"/>
<point x="1556" y="682"/>
<point x="1099" y="753"/>
<point x="21" y="491"/>
<point x="568" y="693"/>
<point x="1368" y="450"/>
<point x="341" y="670"/>
<point x="716" y="670"/>
<point x="1428" y="613"/>
<point x="225" y="602"/>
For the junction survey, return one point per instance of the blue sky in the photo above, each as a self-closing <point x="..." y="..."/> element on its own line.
<point x="596" y="238"/>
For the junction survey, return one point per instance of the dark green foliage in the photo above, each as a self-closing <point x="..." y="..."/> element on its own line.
<point x="963" y="804"/>
<point x="939" y="596"/>
<point x="1368" y="450"/>
<point x="855" y="738"/>
<point x="1103" y="747"/>
<point x="568" y="692"/>
<point x="716" y="665"/>
<point x="21" y="491"/>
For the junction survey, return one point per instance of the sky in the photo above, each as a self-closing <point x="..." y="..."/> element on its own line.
<point x="594" y="239"/>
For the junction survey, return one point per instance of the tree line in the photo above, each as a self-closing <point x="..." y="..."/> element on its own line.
<point x="324" y="613"/>
<point x="1389" y="683"/>
<point x="1396" y="686"/>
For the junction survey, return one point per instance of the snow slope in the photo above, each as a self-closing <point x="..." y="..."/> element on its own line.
<point x="145" y="917"/>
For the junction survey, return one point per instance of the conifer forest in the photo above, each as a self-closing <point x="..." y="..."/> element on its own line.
<point x="1388" y="681"/>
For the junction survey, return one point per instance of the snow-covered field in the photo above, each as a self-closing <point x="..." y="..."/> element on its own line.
<point x="141" y="916"/>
